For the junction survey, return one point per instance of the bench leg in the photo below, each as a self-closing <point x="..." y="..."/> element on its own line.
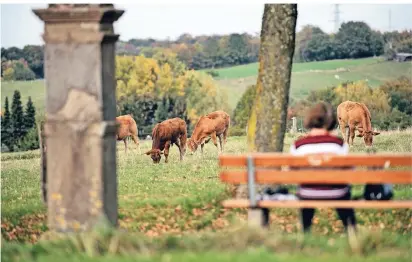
<point x="258" y="217"/>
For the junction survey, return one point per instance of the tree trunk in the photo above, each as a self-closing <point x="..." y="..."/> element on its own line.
<point x="267" y="123"/>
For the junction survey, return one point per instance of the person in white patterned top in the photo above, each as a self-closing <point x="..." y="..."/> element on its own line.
<point x="321" y="119"/>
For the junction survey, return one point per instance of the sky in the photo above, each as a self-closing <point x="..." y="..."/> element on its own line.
<point x="19" y="26"/>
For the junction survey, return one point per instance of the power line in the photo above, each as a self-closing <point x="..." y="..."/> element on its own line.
<point x="336" y="15"/>
<point x="390" y="20"/>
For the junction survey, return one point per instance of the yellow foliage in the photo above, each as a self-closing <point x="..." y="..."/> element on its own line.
<point x="361" y="92"/>
<point x="164" y="75"/>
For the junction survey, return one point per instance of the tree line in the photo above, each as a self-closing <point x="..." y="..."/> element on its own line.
<point x="353" y="40"/>
<point x="18" y="127"/>
<point x="390" y="104"/>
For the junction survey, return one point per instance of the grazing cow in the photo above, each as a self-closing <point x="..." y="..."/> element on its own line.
<point x="210" y="126"/>
<point x="127" y="128"/>
<point x="356" y="116"/>
<point x="165" y="134"/>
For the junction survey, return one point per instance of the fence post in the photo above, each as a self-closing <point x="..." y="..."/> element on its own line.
<point x="80" y="127"/>
<point x="294" y="126"/>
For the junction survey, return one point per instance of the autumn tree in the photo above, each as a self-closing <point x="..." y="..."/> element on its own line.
<point x="267" y="124"/>
<point x="157" y="88"/>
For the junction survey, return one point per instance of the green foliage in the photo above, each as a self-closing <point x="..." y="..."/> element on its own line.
<point x="142" y="108"/>
<point x="32" y="57"/>
<point x="400" y="93"/>
<point x="243" y="109"/>
<point x="390" y="104"/>
<point x="19" y="132"/>
<point x="357" y="40"/>
<point x="17" y="70"/>
<point x="30" y="115"/>
<point x="17" y="118"/>
<point x="391" y="120"/>
<point x="6" y="126"/>
<point x="213" y="73"/>
<point x="30" y="141"/>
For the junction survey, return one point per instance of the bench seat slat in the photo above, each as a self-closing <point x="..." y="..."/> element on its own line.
<point x="279" y="159"/>
<point x="244" y="203"/>
<point x="320" y="176"/>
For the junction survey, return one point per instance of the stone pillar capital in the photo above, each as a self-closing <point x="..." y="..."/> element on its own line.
<point x="79" y="23"/>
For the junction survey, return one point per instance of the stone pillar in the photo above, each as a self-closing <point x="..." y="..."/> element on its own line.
<point x="80" y="127"/>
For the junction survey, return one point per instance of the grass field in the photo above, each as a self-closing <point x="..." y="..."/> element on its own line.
<point x="183" y="198"/>
<point x="252" y="69"/>
<point x="315" y="75"/>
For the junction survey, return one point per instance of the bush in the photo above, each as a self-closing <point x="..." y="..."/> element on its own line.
<point x="213" y="73"/>
<point x="30" y="141"/>
<point x="243" y="108"/>
<point x="391" y="120"/>
<point x="237" y="131"/>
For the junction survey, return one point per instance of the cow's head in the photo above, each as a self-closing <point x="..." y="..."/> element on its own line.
<point x="368" y="137"/>
<point x="155" y="154"/>
<point x="192" y="145"/>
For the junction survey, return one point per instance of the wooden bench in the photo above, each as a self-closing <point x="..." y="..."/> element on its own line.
<point x="278" y="168"/>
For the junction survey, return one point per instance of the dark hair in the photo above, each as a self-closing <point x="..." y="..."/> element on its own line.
<point x="321" y="115"/>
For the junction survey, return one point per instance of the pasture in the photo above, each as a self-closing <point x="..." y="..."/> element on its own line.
<point x="173" y="210"/>
<point x="315" y="75"/>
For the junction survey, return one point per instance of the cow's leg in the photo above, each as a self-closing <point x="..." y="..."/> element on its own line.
<point x="214" y="140"/>
<point x="201" y="147"/>
<point x="351" y="133"/>
<point x="125" y="144"/>
<point x="225" y="137"/>
<point x="203" y="144"/>
<point x="220" y="143"/>
<point x="136" y="141"/>
<point x="183" y="141"/>
<point x="342" y="130"/>
<point x="180" y="146"/>
<point x="166" y="152"/>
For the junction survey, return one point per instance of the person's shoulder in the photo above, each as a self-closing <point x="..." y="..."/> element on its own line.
<point x="318" y="140"/>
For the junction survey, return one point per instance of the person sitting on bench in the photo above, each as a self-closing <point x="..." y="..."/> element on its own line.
<point x="320" y="120"/>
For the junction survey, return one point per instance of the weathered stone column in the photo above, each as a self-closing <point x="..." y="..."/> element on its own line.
<point x="79" y="64"/>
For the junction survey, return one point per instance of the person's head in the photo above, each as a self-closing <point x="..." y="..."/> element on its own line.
<point x="321" y="116"/>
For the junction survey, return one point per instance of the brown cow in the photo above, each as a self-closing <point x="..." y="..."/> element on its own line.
<point x="169" y="132"/>
<point x="356" y="116"/>
<point x="127" y="127"/>
<point x="210" y="126"/>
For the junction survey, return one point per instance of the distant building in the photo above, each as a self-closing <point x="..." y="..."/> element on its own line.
<point x="403" y="57"/>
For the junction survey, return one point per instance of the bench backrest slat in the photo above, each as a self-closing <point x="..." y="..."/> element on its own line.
<point x="279" y="159"/>
<point x="319" y="176"/>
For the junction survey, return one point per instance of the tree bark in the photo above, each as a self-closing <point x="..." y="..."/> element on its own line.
<point x="267" y="123"/>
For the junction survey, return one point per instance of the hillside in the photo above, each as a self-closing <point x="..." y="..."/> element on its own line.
<point x="305" y="77"/>
<point x="315" y="75"/>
